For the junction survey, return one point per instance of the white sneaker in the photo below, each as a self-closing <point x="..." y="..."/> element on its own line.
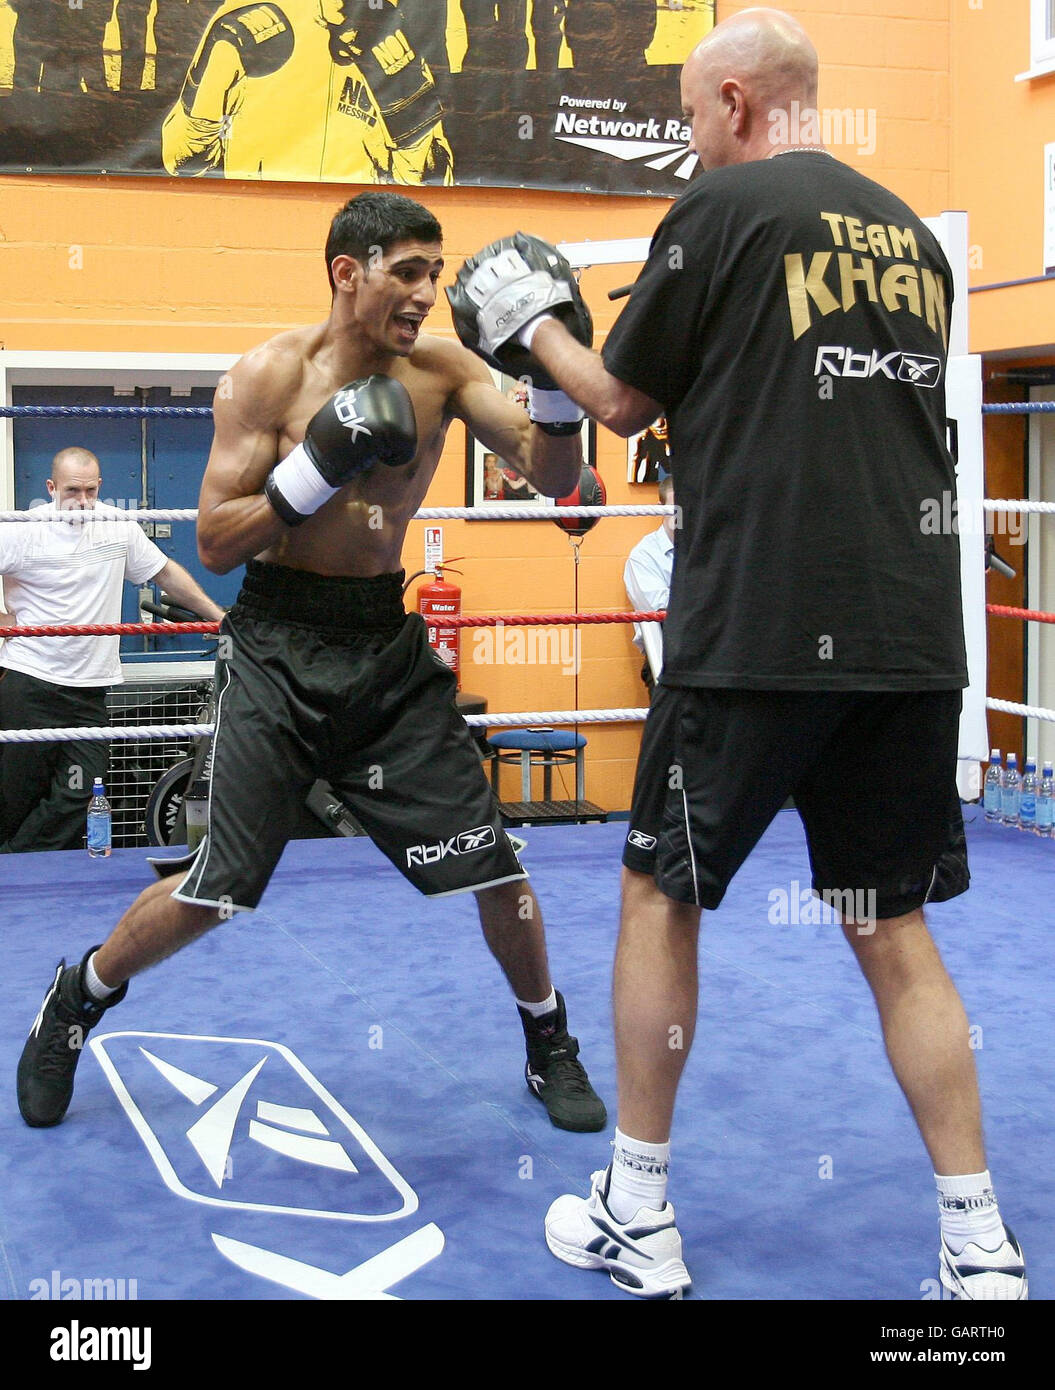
<point x="642" y="1256"/>
<point x="979" y="1274"/>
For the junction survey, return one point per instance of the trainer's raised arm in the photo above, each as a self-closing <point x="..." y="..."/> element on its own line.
<point x="517" y="305"/>
<point x="550" y="462"/>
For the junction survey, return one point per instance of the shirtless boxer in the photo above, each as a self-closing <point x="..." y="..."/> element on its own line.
<point x="326" y="439"/>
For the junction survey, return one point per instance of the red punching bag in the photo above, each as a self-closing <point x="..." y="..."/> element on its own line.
<point x="590" y="493"/>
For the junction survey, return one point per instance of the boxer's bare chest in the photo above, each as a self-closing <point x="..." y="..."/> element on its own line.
<point x="360" y="531"/>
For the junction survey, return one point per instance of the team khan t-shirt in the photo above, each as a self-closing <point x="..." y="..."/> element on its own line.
<point x="793" y="317"/>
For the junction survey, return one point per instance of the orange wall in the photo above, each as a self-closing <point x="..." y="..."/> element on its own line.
<point x="999" y="129"/>
<point x="153" y="265"/>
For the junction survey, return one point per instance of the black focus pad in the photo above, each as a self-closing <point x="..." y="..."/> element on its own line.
<point x="505" y="286"/>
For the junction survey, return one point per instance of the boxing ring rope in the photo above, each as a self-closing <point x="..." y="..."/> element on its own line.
<point x="540" y="513"/>
<point x="13" y="412"/>
<point x="1026" y="711"/>
<point x="491" y="513"/>
<point x="452" y="620"/>
<point x="101" y="734"/>
<point x="1028" y="615"/>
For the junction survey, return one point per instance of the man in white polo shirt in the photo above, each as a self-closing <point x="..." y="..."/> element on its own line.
<point x="647" y="581"/>
<point x="53" y="573"/>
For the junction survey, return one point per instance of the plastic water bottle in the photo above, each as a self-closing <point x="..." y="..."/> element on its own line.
<point x="99" y="823"/>
<point x="1027" y="799"/>
<point x="1046" y="803"/>
<point x="991" y="786"/>
<point x="1009" y="784"/>
<point x="196" y="807"/>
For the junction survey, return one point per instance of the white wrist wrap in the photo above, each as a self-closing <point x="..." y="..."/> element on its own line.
<point x="553" y="408"/>
<point x="300" y="482"/>
<point x="525" y="335"/>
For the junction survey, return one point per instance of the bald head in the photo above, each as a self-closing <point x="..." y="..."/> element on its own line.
<point x="749" y="66"/>
<point x="75" y="478"/>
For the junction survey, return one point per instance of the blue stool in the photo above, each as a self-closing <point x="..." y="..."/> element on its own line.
<point x="545" y="748"/>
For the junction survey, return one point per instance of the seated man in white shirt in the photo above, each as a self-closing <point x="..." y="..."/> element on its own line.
<point x="67" y="573"/>
<point x="647" y="580"/>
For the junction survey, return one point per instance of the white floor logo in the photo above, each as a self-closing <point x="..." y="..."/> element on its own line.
<point x="242" y="1124"/>
<point x="220" y="1148"/>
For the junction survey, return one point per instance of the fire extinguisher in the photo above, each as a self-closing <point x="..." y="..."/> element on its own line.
<point x="439" y="599"/>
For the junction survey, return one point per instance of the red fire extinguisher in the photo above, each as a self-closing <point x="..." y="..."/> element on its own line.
<point x="439" y="599"/>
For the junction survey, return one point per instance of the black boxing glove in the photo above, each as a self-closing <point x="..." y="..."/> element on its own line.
<point x="498" y="300"/>
<point x="368" y="422"/>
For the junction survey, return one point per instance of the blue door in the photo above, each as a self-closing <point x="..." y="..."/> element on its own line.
<point x="169" y="454"/>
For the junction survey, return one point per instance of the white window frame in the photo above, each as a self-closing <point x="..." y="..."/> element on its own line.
<point x="1041" y="40"/>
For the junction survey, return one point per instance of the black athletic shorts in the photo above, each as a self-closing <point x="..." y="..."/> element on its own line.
<point x="330" y="678"/>
<point x="872" y="774"/>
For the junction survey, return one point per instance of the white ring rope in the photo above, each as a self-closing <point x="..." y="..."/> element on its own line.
<point x="496" y="513"/>
<point x="1004" y="504"/>
<point x="99" y="734"/>
<point x="1027" y="711"/>
<point x="493" y="513"/>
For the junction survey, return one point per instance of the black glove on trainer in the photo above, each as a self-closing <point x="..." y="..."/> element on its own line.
<point x="370" y="421"/>
<point x="498" y="294"/>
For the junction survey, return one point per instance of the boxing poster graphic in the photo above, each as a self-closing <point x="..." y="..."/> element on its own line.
<point x="564" y="94"/>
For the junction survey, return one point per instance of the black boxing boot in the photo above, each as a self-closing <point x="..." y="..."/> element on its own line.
<point x="53" y="1048"/>
<point x="555" y="1074"/>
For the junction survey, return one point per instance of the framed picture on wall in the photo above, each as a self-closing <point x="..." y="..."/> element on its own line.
<point x="647" y="452"/>
<point x="491" y="481"/>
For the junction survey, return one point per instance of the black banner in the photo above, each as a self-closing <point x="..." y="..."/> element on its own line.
<point x="563" y="94"/>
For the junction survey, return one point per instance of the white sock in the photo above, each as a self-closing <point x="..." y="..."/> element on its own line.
<point x="538" y="1010"/>
<point x="95" y="987"/>
<point x="639" y="1176"/>
<point x="968" y="1211"/>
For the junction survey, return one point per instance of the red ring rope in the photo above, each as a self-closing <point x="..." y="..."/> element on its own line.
<point x="460" y="620"/>
<point x="453" y="620"/>
<point x="1031" y="615"/>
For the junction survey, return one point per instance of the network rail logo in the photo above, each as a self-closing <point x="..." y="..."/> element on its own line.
<point x="603" y="125"/>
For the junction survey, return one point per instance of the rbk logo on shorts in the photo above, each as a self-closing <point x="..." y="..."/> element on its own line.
<point x="640" y="840"/>
<point x="897" y="366"/>
<point x="483" y="837"/>
<point x="242" y="1123"/>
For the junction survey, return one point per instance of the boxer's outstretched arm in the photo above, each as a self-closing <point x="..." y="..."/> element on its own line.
<point x="581" y="374"/>
<point x="550" y="463"/>
<point x="235" y="519"/>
